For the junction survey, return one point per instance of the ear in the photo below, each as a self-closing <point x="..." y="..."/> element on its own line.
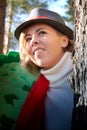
<point x="65" y="41"/>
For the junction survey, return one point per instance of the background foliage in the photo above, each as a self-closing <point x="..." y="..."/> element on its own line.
<point x="20" y="10"/>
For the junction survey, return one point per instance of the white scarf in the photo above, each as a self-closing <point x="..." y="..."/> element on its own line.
<point x="60" y="71"/>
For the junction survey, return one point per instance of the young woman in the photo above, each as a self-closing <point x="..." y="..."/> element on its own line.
<point x="45" y="46"/>
<point x="45" y="49"/>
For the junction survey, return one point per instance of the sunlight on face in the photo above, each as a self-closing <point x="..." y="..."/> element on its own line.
<point x="45" y="45"/>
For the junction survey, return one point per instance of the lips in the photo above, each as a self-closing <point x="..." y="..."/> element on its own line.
<point x="38" y="51"/>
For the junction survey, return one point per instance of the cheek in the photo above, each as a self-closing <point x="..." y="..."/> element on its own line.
<point x="28" y="50"/>
<point x="44" y="38"/>
<point x="27" y="47"/>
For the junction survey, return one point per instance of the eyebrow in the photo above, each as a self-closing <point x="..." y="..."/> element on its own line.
<point x="39" y="29"/>
<point x="35" y="31"/>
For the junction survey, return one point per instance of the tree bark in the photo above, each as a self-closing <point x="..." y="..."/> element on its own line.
<point x="8" y="27"/>
<point x="2" y="23"/>
<point x="79" y="78"/>
<point x="80" y="53"/>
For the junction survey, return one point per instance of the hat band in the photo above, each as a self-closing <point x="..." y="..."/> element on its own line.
<point x="45" y="17"/>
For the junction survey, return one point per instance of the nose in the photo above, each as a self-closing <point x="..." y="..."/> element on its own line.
<point x="34" y="40"/>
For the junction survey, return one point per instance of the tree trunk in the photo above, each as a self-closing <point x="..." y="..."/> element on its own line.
<point x="79" y="79"/>
<point x="8" y="27"/>
<point x="2" y="21"/>
<point x="80" y="53"/>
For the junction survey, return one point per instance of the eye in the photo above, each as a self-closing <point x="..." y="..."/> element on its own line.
<point x="41" y="33"/>
<point x="28" y="39"/>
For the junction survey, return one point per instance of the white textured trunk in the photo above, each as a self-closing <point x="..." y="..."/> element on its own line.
<point x="79" y="80"/>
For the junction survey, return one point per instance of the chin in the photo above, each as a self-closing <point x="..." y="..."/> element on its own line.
<point x="41" y="66"/>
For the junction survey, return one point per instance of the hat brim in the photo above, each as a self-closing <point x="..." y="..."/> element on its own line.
<point x="58" y="26"/>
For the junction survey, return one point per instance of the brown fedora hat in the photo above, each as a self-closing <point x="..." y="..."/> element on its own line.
<point x="40" y="15"/>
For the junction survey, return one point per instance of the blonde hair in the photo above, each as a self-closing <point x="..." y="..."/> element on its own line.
<point x="24" y="55"/>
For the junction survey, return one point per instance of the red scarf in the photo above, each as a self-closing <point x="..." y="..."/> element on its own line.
<point x="32" y="113"/>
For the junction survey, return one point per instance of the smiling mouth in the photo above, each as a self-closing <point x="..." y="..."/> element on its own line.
<point x="38" y="51"/>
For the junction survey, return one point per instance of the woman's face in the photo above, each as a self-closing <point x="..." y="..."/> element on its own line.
<point x="45" y="45"/>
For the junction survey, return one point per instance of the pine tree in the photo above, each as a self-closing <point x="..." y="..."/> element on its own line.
<point x="2" y="19"/>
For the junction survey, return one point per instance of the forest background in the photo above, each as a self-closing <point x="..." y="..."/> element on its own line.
<point x="15" y="12"/>
<point x="11" y="12"/>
